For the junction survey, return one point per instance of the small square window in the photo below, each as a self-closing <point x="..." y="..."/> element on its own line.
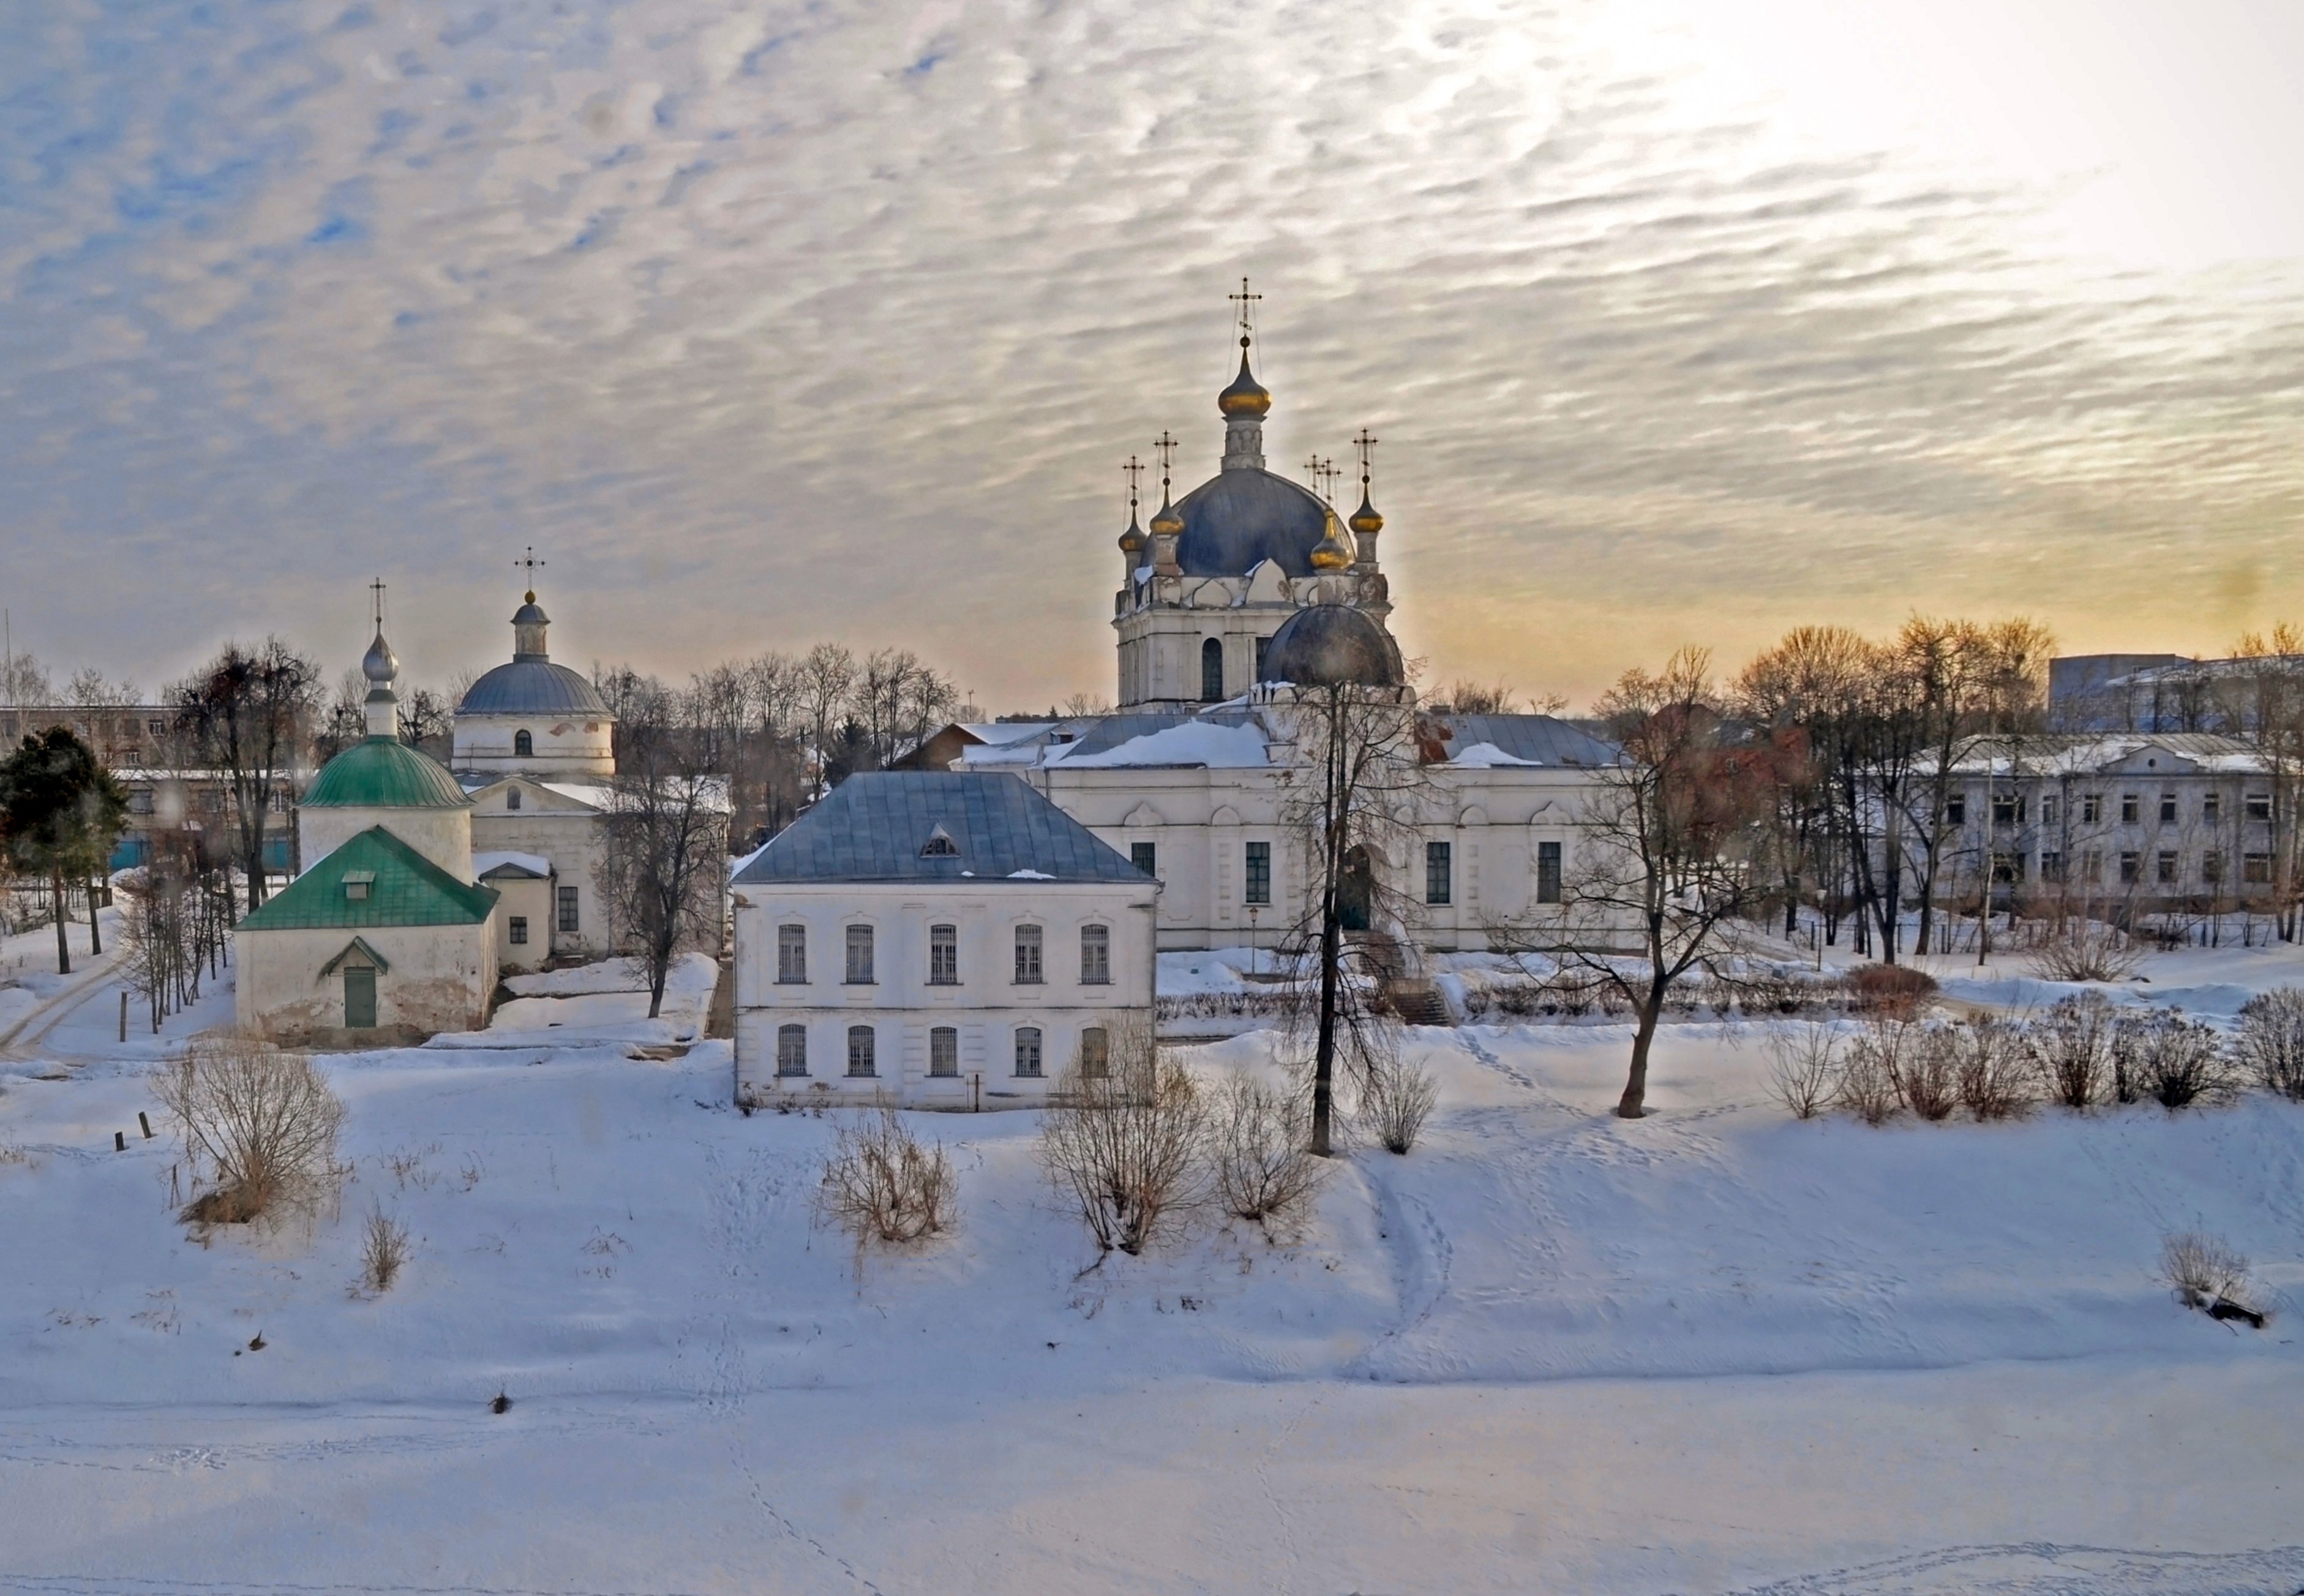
<point x="2255" y="869"/>
<point x="512" y="798"/>
<point x="1956" y="809"/>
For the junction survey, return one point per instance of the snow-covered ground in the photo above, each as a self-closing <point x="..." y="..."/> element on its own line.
<point x="1712" y="1350"/>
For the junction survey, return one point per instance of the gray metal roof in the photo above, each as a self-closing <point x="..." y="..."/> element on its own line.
<point x="1543" y="740"/>
<point x="1325" y="645"/>
<point x="533" y="687"/>
<point x="1238" y="519"/>
<point x="872" y="827"/>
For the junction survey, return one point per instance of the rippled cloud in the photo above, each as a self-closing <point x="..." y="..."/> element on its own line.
<point x="766" y="322"/>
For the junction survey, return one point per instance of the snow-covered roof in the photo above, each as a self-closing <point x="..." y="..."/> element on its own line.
<point x="876" y="825"/>
<point x="2051" y="755"/>
<point x="1518" y="739"/>
<point x="530" y="863"/>
<point x="1210" y="744"/>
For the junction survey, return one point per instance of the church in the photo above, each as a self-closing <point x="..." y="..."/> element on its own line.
<point x="1245" y="586"/>
<point x="422" y="885"/>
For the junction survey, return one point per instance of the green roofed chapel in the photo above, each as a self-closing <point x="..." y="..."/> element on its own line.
<point x="942" y="940"/>
<point x="385" y="937"/>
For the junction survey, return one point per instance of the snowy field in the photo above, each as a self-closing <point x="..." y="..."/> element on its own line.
<point x="1714" y="1350"/>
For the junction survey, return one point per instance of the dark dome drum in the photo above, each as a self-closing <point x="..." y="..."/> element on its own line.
<point x="1326" y="646"/>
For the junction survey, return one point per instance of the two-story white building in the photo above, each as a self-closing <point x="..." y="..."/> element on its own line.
<point x="937" y="940"/>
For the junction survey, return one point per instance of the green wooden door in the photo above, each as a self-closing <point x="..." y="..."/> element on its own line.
<point x="359" y="998"/>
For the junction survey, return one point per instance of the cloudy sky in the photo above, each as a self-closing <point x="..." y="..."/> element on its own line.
<point x="1679" y="320"/>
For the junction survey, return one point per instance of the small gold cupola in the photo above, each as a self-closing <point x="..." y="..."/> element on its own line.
<point x="1330" y="552"/>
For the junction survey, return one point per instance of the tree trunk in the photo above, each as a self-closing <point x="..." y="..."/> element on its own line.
<point x="95" y="937"/>
<point x="1633" y="1104"/>
<point x="659" y="967"/>
<point x="56" y="892"/>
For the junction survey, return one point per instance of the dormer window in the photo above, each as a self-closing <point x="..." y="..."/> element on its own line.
<point x="940" y="846"/>
<point x="357" y="884"/>
<point x="523" y="745"/>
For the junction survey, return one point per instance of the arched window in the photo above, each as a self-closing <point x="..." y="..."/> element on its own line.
<point x="1028" y="1052"/>
<point x="943" y="956"/>
<point x="860" y="1051"/>
<point x="944" y="1052"/>
<point x="859" y="956"/>
<point x="523" y="745"/>
<point x="1095" y="955"/>
<point x="791" y="1049"/>
<point x="1212" y="670"/>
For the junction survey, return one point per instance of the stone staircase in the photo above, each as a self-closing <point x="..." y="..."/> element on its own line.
<point x="1409" y="995"/>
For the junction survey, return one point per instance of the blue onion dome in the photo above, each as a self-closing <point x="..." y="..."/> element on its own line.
<point x="1325" y="645"/>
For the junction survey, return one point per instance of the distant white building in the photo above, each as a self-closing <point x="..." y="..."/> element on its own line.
<point x="534" y="748"/>
<point x="939" y="941"/>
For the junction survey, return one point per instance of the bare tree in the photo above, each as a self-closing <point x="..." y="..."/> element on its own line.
<point x="249" y="711"/>
<point x="828" y="676"/>
<point x="23" y="680"/>
<point x="664" y="866"/>
<point x="90" y="688"/>
<point x="1125" y="1143"/>
<point x="60" y="814"/>
<point x="1670" y="832"/>
<point x="259" y="1126"/>
<point x="1359" y="767"/>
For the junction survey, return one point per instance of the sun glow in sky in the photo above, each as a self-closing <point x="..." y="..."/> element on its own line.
<point x="768" y="323"/>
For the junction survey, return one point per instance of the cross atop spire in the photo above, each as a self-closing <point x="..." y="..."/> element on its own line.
<point x="1366" y="444"/>
<point x="1321" y="474"/>
<point x="1165" y="444"/>
<point x="375" y="603"/>
<point x="1135" y="469"/>
<point x="1247" y="303"/>
<point x="530" y="563"/>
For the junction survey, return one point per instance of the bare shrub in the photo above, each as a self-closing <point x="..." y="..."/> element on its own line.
<point x="2207" y="1273"/>
<point x="881" y="1184"/>
<point x="2270" y="1041"/>
<point x="2074" y="1044"/>
<point x="384" y="1251"/>
<point x="1395" y="1100"/>
<point x="1804" y="1068"/>
<point x="1928" y="1074"/>
<point x="2085" y="950"/>
<point x="1261" y="1153"/>
<point x="2173" y="1061"/>
<point x="1126" y="1146"/>
<point x="259" y="1126"/>
<point x="1871" y="1067"/>
<point x="1889" y="988"/>
<point x="1998" y="1072"/>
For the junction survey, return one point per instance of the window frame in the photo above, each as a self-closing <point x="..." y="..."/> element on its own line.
<point x="1212" y="652"/>
<point x="1095" y="1053"/>
<point x="792" y="953"/>
<point x="1030" y="964"/>
<point x="868" y="1055"/>
<point x="1146" y="857"/>
<point x="944" y="954"/>
<point x="516" y="930"/>
<point x="523" y="744"/>
<point x="791" y="1049"/>
<point x="1256" y="874"/>
<point x="570" y="919"/>
<point x="1095" y="954"/>
<point x="944" y="1039"/>
<point x="1439" y="873"/>
<point x="1549" y="873"/>
<point x="1031" y="1037"/>
<point x="855" y="936"/>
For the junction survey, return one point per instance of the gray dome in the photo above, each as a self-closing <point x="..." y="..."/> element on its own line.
<point x="533" y="687"/>
<point x="1324" y="645"/>
<point x="1240" y="517"/>
<point x="380" y="665"/>
<point x="530" y="613"/>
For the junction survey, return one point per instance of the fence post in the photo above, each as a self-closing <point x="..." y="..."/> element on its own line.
<point x="123" y="1017"/>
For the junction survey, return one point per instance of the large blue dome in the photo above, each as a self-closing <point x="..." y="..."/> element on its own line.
<point x="1240" y="517"/>
<point x="533" y="687"/>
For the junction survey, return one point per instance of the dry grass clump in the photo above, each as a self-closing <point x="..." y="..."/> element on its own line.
<point x="1889" y="988"/>
<point x="2270" y="1041"/>
<point x="384" y="1251"/>
<point x="1804" y="1068"/>
<point x="2085" y="950"/>
<point x="881" y="1184"/>
<point x="2207" y="1273"/>
<point x="1396" y="1098"/>
<point x="1126" y="1146"/>
<point x="1259" y="1151"/>
<point x="2074" y="1041"/>
<point x="258" y="1124"/>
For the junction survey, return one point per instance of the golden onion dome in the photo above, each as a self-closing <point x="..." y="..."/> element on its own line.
<point x="1133" y="541"/>
<point x="1246" y="396"/>
<point x="1166" y="521"/>
<point x="1365" y="519"/>
<point x="1330" y="554"/>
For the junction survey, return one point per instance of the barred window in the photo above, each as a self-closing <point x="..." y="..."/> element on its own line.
<point x="791" y="1049"/>
<point x="1145" y="857"/>
<point x="791" y="954"/>
<point x="1095" y="955"/>
<point x="860" y="1051"/>
<point x="1027" y="956"/>
<point x="943" y="956"/>
<point x="1028" y="1051"/>
<point x="944" y="1052"/>
<point x="859" y="956"/>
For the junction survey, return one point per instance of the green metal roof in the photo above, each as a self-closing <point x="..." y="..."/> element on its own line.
<point x="403" y="888"/>
<point x="383" y="772"/>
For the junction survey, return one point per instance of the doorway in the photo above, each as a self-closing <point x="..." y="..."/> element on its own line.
<point x="360" y="998"/>
<point x="1355" y="890"/>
